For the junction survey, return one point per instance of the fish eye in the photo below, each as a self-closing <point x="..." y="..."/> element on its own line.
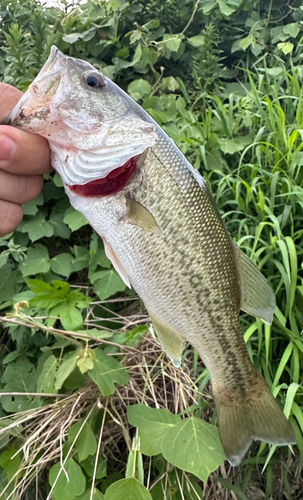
<point x="94" y="80"/>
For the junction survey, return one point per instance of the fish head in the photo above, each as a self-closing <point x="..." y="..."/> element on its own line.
<point x="94" y="128"/>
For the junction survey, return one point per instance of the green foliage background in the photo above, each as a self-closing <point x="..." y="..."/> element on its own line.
<point x="224" y="79"/>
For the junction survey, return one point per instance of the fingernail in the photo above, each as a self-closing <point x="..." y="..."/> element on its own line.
<point x="7" y="147"/>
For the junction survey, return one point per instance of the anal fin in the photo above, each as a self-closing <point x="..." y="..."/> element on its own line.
<point x="171" y="341"/>
<point x="257" y="297"/>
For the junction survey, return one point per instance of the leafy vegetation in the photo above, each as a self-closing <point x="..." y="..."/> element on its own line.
<point x="88" y="404"/>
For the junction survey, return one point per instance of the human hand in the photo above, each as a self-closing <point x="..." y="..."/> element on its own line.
<point x="24" y="158"/>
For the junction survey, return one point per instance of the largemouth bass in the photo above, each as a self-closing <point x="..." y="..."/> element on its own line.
<point x="163" y="233"/>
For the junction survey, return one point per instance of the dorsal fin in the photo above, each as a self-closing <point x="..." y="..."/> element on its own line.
<point x="257" y="297"/>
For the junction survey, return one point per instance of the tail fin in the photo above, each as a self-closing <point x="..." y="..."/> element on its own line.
<point x="257" y="418"/>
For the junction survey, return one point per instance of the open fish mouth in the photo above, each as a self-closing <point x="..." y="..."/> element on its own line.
<point x="114" y="182"/>
<point x="95" y="133"/>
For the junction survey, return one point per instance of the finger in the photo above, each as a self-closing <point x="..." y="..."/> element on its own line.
<point x="11" y="215"/>
<point x="19" y="188"/>
<point x="9" y="96"/>
<point x="23" y="153"/>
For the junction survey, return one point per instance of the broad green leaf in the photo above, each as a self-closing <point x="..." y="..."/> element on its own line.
<point x="4" y="440"/>
<point x="81" y="259"/>
<point x="160" y="116"/>
<point x="85" y="364"/>
<point x="52" y="192"/>
<point x="286" y="47"/>
<point x="124" y="53"/>
<point x="109" y="71"/>
<point x="256" y="49"/>
<point x="25" y="296"/>
<point x="96" y="333"/>
<point x="97" y="495"/>
<point x="39" y="286"/>
<point x="4" y="485"/>
<point x="60" y="228"/>
<point x="231" y="146"/>
<point x="37" y="227"/>
<point x="292" y="29"/>
<point x="127" y="489"/>
<point x="191" y="490"/>
<point x="9" y="284"/>
<point x="134" y="467"/>
<point x="57" y="180"/>
<point x="275" y="71"/>
<point x="72" y="37"/>
<point x="75" y="380"/>
<point x="70" y="317"/>
<point x="48" y="296"/>
<point x="31" y="207"/>
<point x="46" y="379"/>
<point x="150" y="102"/>
<point x="194" y="446"/>
<point x="140" y="87"/>
<point x="114" y="5"/>
<point x="19" y="376"/>
<point x="107" y="372"/>
<point x="135" y="36"/>
<point x="97" y="254"/>
<point x="208" y="6"/>
<point x="37" y="261"/>
<point x="196" y="41"/>
<point x="71" y="481"/>
<point x="62" y="288"/>
<point x="153" y="424"/>
<point x="172" y="42"/>
<point x="11" y="356"/>
<point x="151" y="25"/>
<point x="74" y="219"/>
<point x="50" y="303"/>
<point x="246" y="42"/>
<point x="98" y="258"/>
<point x="137" y="56"/>
<point x="69" y="363"/>
<point x="224" y="8"/>
<point x="9" y="464"/>
<point x="89" y="466"/>
<point x="107" y="283"/>
<point x="61" y="264"/>
<point x="149" y="57"/>
<point x="86" y="443"/>
<point x="77" y="298"/>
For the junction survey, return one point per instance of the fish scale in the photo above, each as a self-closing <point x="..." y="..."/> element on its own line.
<point x="163" y="233"/>
<point x="196" y="293"/>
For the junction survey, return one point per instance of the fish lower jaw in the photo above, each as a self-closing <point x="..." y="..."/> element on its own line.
<point x="114" y="182"/>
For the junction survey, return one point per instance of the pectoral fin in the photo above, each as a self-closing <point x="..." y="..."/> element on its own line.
<point x="138" y="215"/>
<point x="257" y="297"/>
<point x="171" y="341"/>
<point x="110" y="254"/>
